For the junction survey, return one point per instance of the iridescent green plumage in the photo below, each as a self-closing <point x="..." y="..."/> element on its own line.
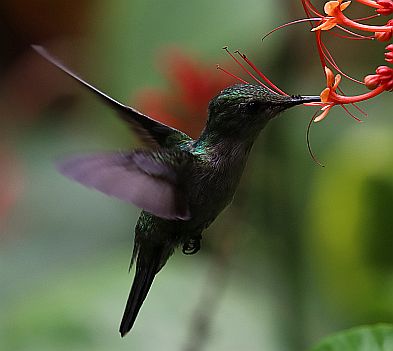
<point x="180" y="183"/>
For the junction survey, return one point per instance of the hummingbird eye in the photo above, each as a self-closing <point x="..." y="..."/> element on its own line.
<point x="255" y="106"/>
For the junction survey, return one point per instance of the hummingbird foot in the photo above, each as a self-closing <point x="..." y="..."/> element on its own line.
<point x="192" y="246"/>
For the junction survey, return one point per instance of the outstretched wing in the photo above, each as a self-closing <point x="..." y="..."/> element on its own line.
<point x="149" y="131"/>
<point x="151" y="180"/>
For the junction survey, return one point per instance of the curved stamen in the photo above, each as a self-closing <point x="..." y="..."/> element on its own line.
<point x="246" y="70"/>
<point x="354" y="34"/>
<point x="249" y="72"/>
<point x="289" y="24"/>
<point x="353" y="104"/>
<point x="364" y="27"/>
<point x="309" y="7"/>
<point x="260" y="74"/>
<point x="367" y="18"/>
<point x="351" y="114"/>
<point x="231" y="74"/>
<point x="349" y="37"/>
<point x="330" y="59"/>
<point x="310" y="151"/>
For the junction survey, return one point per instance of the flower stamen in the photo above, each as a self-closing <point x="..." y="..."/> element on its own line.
<point x="260" y="74"/>
<point x="308" y="132"/>
<point x="309" y="7"/>
<point x="355" y="35"/>
<point x="231" y="74"/>
<point x="246" y="70"/>
<point x="318" y="19"/>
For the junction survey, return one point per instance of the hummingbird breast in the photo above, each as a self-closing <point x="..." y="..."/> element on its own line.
<point x="209" y="186"/>
<point x="214" y="179"/>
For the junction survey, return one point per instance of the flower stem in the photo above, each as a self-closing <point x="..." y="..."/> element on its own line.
<point x="340" y="99"/>
<point x="370" y="3"/>
<point x="367" y="28"/>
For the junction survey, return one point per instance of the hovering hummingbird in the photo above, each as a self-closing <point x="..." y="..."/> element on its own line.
<point x="181" y="184"/>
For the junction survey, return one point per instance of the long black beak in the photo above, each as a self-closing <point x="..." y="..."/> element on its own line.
<point x="285" y="102"/>
<point x="298" y="99"/>
<point x="311" y="98"/>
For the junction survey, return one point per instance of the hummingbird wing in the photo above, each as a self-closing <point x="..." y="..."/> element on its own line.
<point x="152" y="133"/>
<point x="151" y="180"/>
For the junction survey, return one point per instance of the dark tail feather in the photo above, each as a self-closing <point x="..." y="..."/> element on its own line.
<point x="146" y="270"/>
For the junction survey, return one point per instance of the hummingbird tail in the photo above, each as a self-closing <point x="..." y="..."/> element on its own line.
<point x="147" y="267"/>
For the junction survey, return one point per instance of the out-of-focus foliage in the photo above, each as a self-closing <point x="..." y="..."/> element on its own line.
<point x="350" y="241"/>
<point x="310" y="246"/>
<point x="367" y="338"/>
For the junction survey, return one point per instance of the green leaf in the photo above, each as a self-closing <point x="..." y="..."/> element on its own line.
<point x="365" y="338"/>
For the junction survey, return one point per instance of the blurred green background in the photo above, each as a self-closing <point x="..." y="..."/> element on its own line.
<point x="302" y="252"/>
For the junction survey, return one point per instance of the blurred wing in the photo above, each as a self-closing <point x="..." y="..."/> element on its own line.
<point x="149" y="131"/>
<point x="142" y="178"/>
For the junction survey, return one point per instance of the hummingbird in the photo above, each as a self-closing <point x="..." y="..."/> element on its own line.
<point x="181" y="184"/>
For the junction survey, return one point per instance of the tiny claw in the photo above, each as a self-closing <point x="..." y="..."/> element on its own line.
<point x="192" y="246"/>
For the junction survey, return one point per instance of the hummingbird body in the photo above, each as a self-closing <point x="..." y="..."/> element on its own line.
<point x="181" y="184"/>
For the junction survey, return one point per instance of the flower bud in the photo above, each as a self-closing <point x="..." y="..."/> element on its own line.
<point x="372" y="81"/>
<point x="386" y="35"/>
<point x="389" y="55"/>
<point x="384" y="72"/>
<point x="383" y="36"/>
<point x="385" y="75"/>
<point x="387" y="7"/>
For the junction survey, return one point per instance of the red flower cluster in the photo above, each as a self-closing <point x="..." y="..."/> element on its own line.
<point x="334" y="18"/>
<point x="379" y="82"/>
<point x="194" y="85"/>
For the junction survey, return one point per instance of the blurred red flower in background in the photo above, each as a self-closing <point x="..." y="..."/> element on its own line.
<point x="192" y="84"/>
<point x="10" y="181"/>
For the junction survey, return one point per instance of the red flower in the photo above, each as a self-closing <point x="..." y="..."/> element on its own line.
<point x="329" y="93"/>
<point x="192" y="84"/>
<point x="381" y="81"/>
<point x="334" y="11"/>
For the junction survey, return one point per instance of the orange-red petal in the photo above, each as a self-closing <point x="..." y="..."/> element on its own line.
<point x="329" y="77"/>
<point x="325" y="95"/>
<point x="344" y="5"/>
<point x="328" y="24"/>
<point x="323" y="114"/>
<point x="330" y="7"/>
<point x="371" y="81"/>
<point x="337" y="80"/>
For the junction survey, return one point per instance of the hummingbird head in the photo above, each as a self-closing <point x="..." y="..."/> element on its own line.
<point x="243" y="110"/>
